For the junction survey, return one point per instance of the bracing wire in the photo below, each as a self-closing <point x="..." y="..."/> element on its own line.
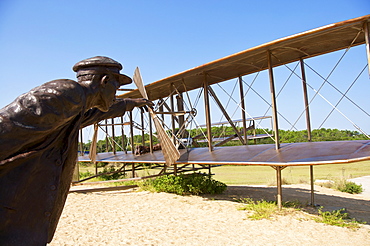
<point x="335" y="66"/>
<point x="277" y="95"/>
<point x="319" y="94"/>
<point x="228" y="101"/>
<point x="247" y="112"/>
<point x="344" y="95"/>
<point x="282" y="116"/>
<point x="245" y="94"/>
<point x="110" y="138"/>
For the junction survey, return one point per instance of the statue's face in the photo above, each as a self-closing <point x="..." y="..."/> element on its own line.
<point x="107" y="92"/>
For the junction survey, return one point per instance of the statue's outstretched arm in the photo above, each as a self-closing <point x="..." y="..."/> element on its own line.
<point x="118" y="109"/>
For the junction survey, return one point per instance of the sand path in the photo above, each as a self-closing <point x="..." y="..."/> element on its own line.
<point x="143" y="218"/>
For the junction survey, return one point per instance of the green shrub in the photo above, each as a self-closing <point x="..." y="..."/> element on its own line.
<point x="185" y="184"/>
<point x="108" y="174"/>
<point x="349" y="187"/>
<point x="86" y="174"/>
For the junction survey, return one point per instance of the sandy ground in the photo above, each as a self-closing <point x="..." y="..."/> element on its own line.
<point x="143" y="218"/>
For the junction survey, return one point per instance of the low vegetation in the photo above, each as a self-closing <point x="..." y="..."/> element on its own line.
<point x="184" y="184"/>
<point x="263" y="209"/>
<point x="344" y="185"/>
<point x="268" y="209"/>
<point x="350" y="187"/>
<point x="337" y="218"/>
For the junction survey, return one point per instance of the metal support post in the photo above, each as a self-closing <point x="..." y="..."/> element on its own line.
<point x="142" y="126"/>
<point x="132" y="133"/>
<point x="312" y="187"/>
<point x="106" y="136"/>
<point x="113" y="138"/>
<point x="279" y="188"/>
<point x="150" y="133"/>
<point x="175" y="169"/>
<point x="81" y="144"/>
<point x="133" y="170"/>
<point x="123" y="136"/>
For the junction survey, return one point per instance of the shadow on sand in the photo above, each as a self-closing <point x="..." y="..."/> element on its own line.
<point x="357" y="207"/>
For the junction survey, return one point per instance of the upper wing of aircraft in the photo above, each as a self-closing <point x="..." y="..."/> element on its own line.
<point x="303" y="45"/>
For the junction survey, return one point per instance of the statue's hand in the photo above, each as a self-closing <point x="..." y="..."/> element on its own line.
<point x="138" y="102"/>
<point x="142" y="102"/>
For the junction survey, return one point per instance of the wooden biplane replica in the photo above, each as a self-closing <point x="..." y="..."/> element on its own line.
<point x="178" y="98"/>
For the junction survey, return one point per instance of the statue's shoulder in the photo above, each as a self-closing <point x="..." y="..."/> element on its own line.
<point x="61" y="85"/>
<point x="66" y="90"/>
<point x="58" y="97"/>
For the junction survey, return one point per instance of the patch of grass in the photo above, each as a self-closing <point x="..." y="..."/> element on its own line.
<point x="86" y="174"/>
<point x="184" y="184"/>
<point x="263" y="209"/>
<point x="337" y="218"/>
<point x="268" y="209"/>
<point x="123" y="183"/>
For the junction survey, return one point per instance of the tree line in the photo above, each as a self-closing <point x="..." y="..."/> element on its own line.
<point x="286" y="136"/>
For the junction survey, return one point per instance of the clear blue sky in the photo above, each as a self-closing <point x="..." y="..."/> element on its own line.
<point x="42" y="40"/>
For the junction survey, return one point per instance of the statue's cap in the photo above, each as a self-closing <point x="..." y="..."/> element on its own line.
<point x="89" y="64"/>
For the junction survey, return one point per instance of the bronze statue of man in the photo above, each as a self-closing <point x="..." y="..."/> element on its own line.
<point x="38" y="146"/>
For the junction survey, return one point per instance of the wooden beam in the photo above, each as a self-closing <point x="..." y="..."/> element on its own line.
<point x="305" y="97"/>
<point x="111" y="188"/>
<point x="273" y="101"/>
<point x="242" y="104"/>
<point x="207" y="113"/>
<point x="180" y="108"/>
<point x="173" y="119"/>
<point x="367" y="39"/>
<point x="161" y="101"/>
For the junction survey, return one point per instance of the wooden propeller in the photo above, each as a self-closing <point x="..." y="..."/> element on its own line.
<point x="170" y="152"/>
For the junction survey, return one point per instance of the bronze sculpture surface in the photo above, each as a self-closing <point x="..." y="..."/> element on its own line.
<point x="38" y="140"/>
